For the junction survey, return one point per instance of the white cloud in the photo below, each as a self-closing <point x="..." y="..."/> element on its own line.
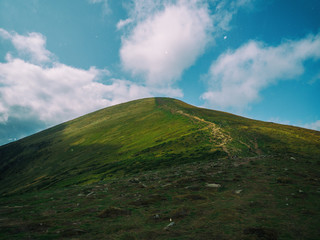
<point x="33" y="45"/>
<point x="53" y="93"/>
<point x="315" y="125"/>
<point x="237" y="77"/>
<point x="123" y="23"/>
<point x="59" y="93"/>
<point x="167" y="37"/>
<point x="139" y="10"/>
<point x="164" y="44"/>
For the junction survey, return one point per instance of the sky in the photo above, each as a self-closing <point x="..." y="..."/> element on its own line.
<point x="62" y="59"/>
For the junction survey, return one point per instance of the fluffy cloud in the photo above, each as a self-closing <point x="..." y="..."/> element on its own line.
<point x="53" y="94"/>
<point x="166" y="37"/>
<point x="34" y="96"/>
<point x="56" y="92"/>
<point x="237" y="77"/>
<point x="167" y="42"/>
<point x="31" y="46"/>
<point x="60" y="92"/>
<point x="123" y="23"/>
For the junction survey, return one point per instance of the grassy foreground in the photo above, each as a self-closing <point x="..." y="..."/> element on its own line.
<point x="161" y="169"/>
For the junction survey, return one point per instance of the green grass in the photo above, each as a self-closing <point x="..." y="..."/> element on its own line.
<point x="140" y="206"/>
<point x="124" y="171"/>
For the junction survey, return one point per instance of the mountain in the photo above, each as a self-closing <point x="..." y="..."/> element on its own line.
<point x="158" y="158"/>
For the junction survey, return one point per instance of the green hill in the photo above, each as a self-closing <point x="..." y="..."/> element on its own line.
<point x="124" y="171"/>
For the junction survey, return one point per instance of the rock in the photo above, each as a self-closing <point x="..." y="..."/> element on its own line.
<point x="134" y="180"/>
<point x="292" y="158"/>
<point x="169" y="226"/>
<point x="80" y="195"/>
<point x="166" y="185"/>
<point x="238" y="191"/>
<point x="213" y="185"/>
<point x="142" y="185"/>
<point x="90" y="193"/>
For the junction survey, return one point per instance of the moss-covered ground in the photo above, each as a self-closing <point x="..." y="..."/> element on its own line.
<point x="266" y="197"/>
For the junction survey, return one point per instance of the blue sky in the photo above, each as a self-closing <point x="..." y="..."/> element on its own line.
<point x="62" y="59"/>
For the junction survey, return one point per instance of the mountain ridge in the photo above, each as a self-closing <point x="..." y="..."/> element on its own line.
<point x="151" y="129"/>
<point x="159" y="168"/>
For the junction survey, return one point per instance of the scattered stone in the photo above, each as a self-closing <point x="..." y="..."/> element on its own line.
<point x="134" y="180"/>
<point x="300" y="191"/>
<point x="292" y="158"/>
<point x="238" y="191"/>
<point x="169" y="226"/>
<point x="90" y="193"/>
<point x="80" y="195"/>
<point x="166" y="185"/>
<point x="142" y="185"/>
<point x="213" y="185"/>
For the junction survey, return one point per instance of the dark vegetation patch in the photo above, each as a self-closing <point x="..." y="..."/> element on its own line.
<point x="261" y="233"/>
<point x="114" y="212"/>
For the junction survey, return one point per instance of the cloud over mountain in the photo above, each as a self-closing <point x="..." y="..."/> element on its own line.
<point x="237" y="77"/>
<point x="163" y="45"/>
<point x="167" y="37"/>
<point x="37" y="89"/>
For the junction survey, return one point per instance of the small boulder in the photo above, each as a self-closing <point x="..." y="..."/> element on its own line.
<point x="134" y="180"/>
<point x="90" y="193"/>
<point x="169" y="226"/>
<point x="213" y="185"/>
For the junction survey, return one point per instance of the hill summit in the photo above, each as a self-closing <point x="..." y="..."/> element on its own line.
<point x="153" y="159"/>
<point x="142" y="135"/>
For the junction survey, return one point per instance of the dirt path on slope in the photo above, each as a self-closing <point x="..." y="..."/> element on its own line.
<point x="217" y="133"/>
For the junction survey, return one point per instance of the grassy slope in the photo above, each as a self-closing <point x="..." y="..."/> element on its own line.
<point x="109" y="142"/>
<point x="124" y="165"/>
